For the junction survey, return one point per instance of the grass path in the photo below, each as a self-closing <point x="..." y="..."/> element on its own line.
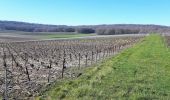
<point x="138" y="73"/>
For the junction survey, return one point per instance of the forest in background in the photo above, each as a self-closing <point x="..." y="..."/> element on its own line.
<point x="99" y="29"/>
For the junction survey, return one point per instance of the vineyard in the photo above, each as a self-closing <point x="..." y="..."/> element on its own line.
<point x="26" y="67"/>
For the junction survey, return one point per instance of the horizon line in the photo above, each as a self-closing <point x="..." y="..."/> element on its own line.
<point x="85" y="24"/>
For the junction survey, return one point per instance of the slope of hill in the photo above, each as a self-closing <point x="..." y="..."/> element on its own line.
<point x="138" y="73"/>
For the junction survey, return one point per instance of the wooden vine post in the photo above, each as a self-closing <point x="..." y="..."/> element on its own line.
<point x="92" y="58"/>
<point x="26" y="67"/>
<point x="79" y="57"/>
<point x="64" y="64"/>
<point x="86" y="59"/>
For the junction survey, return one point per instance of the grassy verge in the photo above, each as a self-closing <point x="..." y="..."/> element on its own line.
<point x="70" y="35"/>
<point x="139" y="73"/>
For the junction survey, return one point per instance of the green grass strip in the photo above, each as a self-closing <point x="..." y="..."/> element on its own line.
<point x="65" y="35"/>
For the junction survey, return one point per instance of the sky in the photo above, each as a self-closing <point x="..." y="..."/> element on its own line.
<point x="86" y="12"/>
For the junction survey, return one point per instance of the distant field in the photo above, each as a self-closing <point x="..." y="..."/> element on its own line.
<point x="11" y="36"/>
<point x="66" y="35"/>
<point x="21" y="36"/>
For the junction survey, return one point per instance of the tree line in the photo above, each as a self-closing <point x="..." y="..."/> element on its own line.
<point x="99" y="29"/>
